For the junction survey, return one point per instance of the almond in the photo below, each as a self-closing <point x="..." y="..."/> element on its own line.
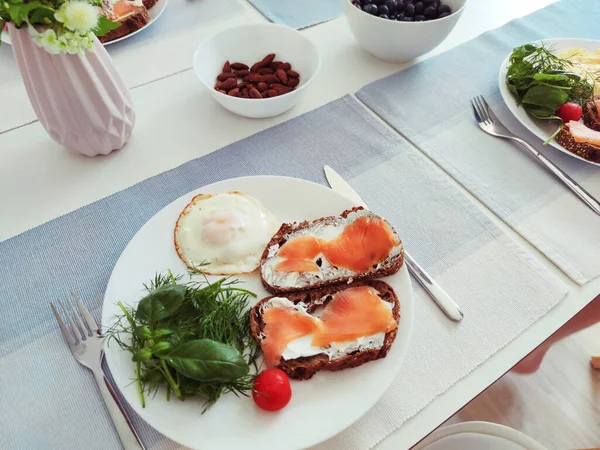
<point x="275" y="65"/>
<point x="293" y="74"/>
<point x="225" y="76"/>
<point x="239" y="66"/>
<point x="282" y="76"/>
<point x="262" y="86"/>
<point x="255" y="67"/>
<point x="285" y="66"/>
<point x="226" y="67"/>
<point x="293" y="82"/>
<point x="252" y="78"/>
<point x="254" y="93"/>
<point x="222" y="91"/>
<point x="269" y="79"/>
<point x="234" y="92"/>
<point x="265" y="71"/>
<point x="268" y="59"/>
<point x="228" y="84"/>
<point x="245" y="92"/>
<point x="241" y="73"/>
<point x="283" y="90"/>
<point x="269" y="93"/>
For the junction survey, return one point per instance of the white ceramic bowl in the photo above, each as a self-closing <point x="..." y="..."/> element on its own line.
<point x="394" y="41"/>
<point x="249" y="44"/>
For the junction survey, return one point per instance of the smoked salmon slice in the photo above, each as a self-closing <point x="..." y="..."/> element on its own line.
<point x="581" y="133"/>
<point x="297" y="265"/>
<point x="283" y="325"/>
<point x="351" y="314"/>
<point x="362" y="244"/>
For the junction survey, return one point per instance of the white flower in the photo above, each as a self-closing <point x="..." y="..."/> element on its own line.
<point x="78" y="16"/>
<point x="46" y="40"/>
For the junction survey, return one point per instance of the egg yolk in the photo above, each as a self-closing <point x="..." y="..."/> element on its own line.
<point x="220" y="227"/>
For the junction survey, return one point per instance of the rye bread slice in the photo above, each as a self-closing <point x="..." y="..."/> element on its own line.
<point x="139" y="18"/>
<point x="387" y="267"/>
<point x="581" y="149"/>
<point x="305" y="367"/>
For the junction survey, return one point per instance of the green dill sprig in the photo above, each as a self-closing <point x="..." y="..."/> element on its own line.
<point x="177" y="325"/>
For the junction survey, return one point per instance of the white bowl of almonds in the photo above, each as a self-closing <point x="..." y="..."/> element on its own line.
<point x="257" y="70"/>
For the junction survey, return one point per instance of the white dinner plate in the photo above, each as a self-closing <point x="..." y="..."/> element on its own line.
<point x="154" y="13"/>
<point x="478" y="436"/>
<point x="543" y="129"/>
<point x="320" y="407"/>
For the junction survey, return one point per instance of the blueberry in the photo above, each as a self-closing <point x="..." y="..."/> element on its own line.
<point x="442" y="15"/>
<point x="444" y="9"/>
<point x="400" y="6"/>
<point x="383" y="16"/>
<point x="378" y="2"/>
<point x="393" y="16"/>
<point x="408" y="19"/>
<point x="427" y="2"/>
<point x="357" y="4"/>
<point x="400" y="17"/>
<point x="370" y="8"/>
<point x="437" y="3"/>
<point x="391" y="5"/>
<point x="419" y="7"/>
<point x="365" y="2"/>
<point x="430" y="12"/>
<point x="383" y="10"/>
<point x="409" y="10"/>
<point x="420" y="18"/>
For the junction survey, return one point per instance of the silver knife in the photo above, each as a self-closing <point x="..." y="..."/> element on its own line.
<point x="441" y="298"/>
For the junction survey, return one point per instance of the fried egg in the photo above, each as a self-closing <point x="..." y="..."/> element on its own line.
<point x="224" y="234"/>
<point x="585" y="64"/>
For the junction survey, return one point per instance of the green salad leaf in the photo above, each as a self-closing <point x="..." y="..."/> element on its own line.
<point x="192" y="338"/>
<point x="542" y="82"/>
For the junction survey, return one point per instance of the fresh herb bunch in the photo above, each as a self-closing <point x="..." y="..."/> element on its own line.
<point x="193" y="338"/>
<point x="60" y="26"/>
<point x="542" y="82"/>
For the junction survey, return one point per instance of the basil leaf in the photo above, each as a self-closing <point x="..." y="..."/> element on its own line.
<point x="208" y="360"/>
<point x="105" y="25"/>
<point x="161" y="348"/>
<point x="161" y="303"/>
<point x="545" y="96"/>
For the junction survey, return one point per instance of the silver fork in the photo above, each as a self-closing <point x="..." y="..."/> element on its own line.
<point x="85" y="342"/>
<point x="486" y="122"/>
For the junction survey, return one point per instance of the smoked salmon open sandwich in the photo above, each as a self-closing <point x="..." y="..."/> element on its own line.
<point x="330" y="328"/>
<point x="356" y="245"/>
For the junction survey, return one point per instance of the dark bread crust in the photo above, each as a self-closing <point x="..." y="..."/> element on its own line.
<point x="128" y="25"/>
<point x="389" y="267"/>
<point x="591" y="116"/>
<point x="305" y="367"/>
<point x="583" y="150"/>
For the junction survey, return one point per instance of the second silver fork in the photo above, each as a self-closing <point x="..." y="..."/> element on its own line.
<point x="84" y="339"/>
<point x="494" y="127"/>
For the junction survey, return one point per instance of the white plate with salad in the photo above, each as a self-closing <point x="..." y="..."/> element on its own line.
<point x="319" y="408"/>
<point x="544" y="76"/>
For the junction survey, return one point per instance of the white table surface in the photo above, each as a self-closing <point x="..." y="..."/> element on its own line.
<point x="178" y="121"/>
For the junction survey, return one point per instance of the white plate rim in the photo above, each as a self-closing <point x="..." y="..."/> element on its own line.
<point x="519" y="113"/>
<point x="480" y="427"/>
<point x="155" y="12"/>
<point x="407" y="315"/>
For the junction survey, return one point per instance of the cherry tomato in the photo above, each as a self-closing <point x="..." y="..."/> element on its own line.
<point x="569" y="111"/>
<point x="271" y="390"/>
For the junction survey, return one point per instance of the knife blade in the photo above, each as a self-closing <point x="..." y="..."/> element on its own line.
<point x="441" y="298"/>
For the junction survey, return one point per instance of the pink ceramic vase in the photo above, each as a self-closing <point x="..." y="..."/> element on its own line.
<point x="81" y="101"/>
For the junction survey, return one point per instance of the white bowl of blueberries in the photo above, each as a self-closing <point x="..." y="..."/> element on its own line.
<point x="402" y="30"/>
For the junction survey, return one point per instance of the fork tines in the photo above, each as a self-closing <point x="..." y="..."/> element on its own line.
<point x="82" y="327"/>
<point x="481" y="109"/>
